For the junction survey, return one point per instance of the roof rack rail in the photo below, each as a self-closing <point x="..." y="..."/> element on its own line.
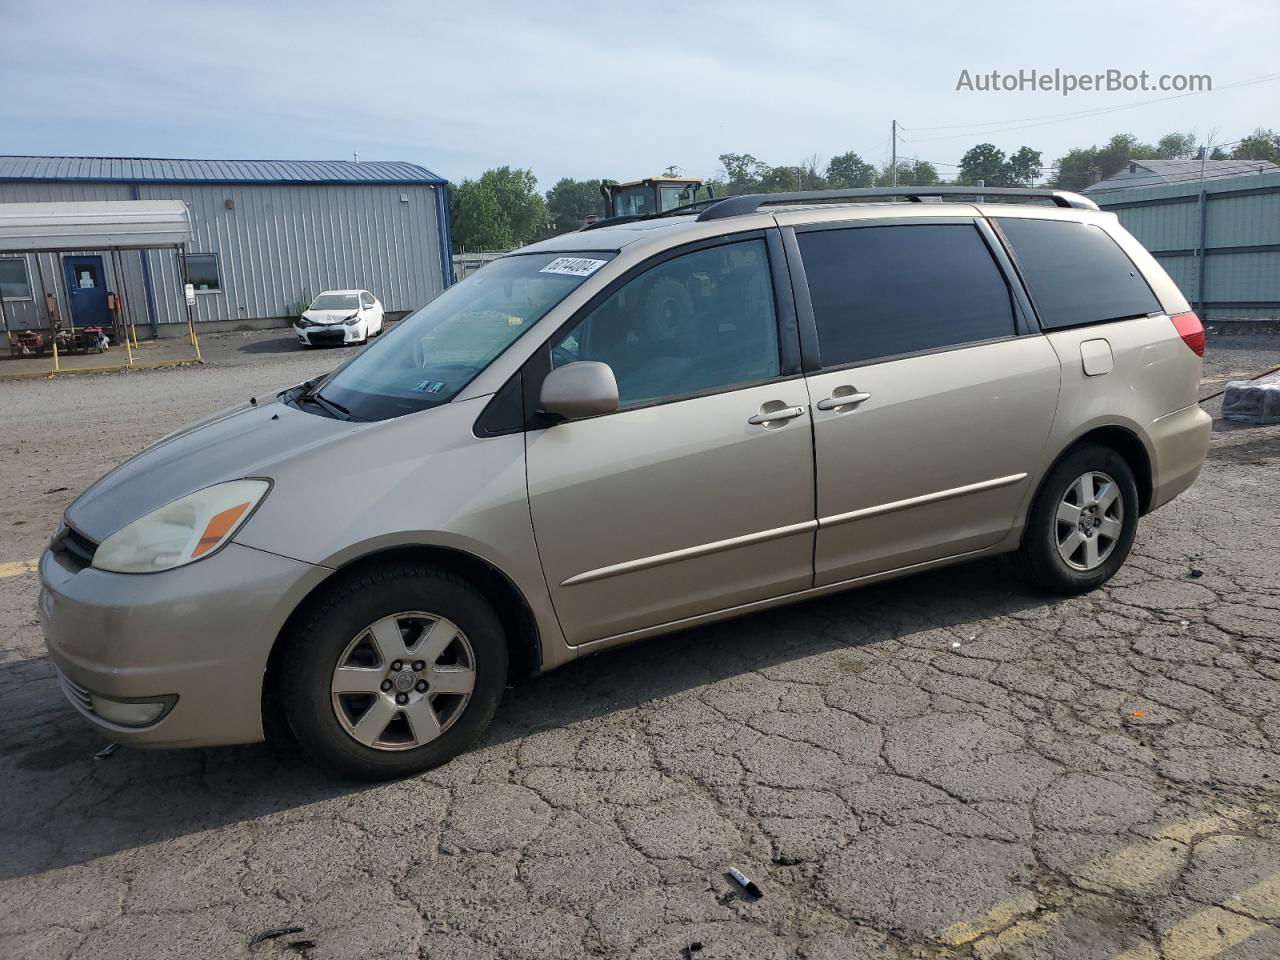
<point x="750" y="203"/>
<point x="633" y="218"/>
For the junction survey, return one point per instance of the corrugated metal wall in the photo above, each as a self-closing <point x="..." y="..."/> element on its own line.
<point x="276" y="244"/>
<point x="31" y="313"/>
<point x="1242" y="240"/>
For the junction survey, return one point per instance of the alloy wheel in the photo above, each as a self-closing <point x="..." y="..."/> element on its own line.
<point x="403" y="680"/>
<point x="1089" y="520"/>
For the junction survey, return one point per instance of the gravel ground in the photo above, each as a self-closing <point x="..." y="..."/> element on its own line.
<point x="946" y="766"/>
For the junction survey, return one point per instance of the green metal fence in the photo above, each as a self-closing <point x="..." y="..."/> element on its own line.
<point x="1218" y="238"/>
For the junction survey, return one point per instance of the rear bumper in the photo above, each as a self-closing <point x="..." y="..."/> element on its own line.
<point x="1180" y="442"/>
<point x="200" y="633"/>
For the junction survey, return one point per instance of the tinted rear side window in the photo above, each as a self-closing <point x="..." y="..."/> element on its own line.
<point x="882" y="291"/>
<point x="1076" y="274"/>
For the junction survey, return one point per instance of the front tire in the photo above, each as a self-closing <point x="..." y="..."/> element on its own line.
<point x="395" y="670"/>
<point x="1082" y="524"/>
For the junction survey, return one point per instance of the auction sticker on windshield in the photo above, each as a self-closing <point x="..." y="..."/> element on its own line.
<point x="573" y="266"/>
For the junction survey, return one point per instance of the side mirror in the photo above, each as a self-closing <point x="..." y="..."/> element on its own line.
<point x="577" y="390"/>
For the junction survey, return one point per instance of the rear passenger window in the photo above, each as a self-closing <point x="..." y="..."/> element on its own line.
<point x="1076" y="274"/>
<point x="883" y="291"/>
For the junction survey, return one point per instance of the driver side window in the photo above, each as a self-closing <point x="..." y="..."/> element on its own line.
<point x="697" y="322"/>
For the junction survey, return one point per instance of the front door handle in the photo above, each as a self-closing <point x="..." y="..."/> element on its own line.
<point x="782" y="413"/>
<point x="841" y="399"/>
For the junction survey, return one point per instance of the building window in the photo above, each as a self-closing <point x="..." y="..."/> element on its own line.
<point x="202" y="272"/>
<point x="15" y="282"/>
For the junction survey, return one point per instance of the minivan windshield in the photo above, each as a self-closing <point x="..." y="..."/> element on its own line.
<point x="437" y="350"/>
<point x="336" y="301"/>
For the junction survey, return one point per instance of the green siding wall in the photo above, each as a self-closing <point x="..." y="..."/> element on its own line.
<point x="1242" y="239"/>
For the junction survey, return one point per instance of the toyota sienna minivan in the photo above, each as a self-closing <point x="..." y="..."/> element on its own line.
<point x="643" y="426"/>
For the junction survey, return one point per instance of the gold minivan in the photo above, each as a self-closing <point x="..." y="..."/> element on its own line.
<point x="649" y="424"/>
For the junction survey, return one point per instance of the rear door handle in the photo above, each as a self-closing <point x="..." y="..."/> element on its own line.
<point x="785" y="413"/>
<point x="835" y="401"/>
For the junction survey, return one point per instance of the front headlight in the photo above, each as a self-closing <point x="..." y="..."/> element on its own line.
<point x="352" y="320"/>
<point x="181" y="532"/>
<point x="304" y="322"/>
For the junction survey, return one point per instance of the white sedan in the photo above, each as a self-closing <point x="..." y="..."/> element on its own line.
<point x="340" y="316"/>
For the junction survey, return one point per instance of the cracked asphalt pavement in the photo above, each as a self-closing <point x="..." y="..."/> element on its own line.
<point x="946" y="766"/>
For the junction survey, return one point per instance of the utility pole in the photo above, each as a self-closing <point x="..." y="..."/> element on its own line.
<point x="894" y="138"/>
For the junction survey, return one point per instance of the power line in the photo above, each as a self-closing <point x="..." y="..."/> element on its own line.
<point x="1048" y="168"/>
<point x="1095" y="111"/>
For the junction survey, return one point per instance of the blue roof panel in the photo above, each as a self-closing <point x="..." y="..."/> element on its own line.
<point x="151" y="170"/>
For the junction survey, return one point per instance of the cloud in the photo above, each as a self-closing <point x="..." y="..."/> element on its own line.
<point x="595" y="90"/>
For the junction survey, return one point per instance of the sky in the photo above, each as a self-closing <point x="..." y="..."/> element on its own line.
<point x="618" y="90"/>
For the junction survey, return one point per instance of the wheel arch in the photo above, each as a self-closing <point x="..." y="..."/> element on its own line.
<point x="1124" y="440"/>
<point x="516" y="615"/>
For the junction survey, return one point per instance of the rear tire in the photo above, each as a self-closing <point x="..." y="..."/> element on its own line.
<point x="420" y="714"/>
<point x="1081" y="526"/>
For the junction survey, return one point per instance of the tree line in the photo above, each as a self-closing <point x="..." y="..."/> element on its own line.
<point x="503" y="208"/>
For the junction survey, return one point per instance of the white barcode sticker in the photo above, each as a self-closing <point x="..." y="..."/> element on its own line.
<point x="573" y="266"/>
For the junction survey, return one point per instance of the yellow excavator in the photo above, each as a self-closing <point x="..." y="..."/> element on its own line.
<point x="640" y="198"/>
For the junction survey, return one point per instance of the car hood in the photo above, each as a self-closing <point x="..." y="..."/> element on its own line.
<point x="245" y="441"/>
<point x="327" y="316"/>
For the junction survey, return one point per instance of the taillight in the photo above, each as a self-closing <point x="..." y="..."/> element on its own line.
<point x="1191" y="330"/>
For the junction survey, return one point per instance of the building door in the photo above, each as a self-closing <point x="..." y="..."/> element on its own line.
<point x="87" y="287"/>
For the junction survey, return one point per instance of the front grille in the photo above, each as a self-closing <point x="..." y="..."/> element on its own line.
<point x="77" y="694"/>
<point x="79" y="546"/>
<point x="74" y="546"/>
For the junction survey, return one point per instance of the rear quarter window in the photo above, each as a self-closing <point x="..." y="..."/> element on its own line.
<point x="1076" y="274"/>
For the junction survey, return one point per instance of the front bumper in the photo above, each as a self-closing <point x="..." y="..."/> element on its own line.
<point x="202" y="633"/>
<point x="332" y="334"/>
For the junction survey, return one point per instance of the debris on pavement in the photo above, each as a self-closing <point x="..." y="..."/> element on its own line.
<point x="894" y="887"/>
<point x="1255" y="401"/>
<point x="57" y="489"/>
<point x="687" y="952"/>
<point x="1195" y="573"/>
<point x="106" y="751"/>
<point x="275" y="933"/>
<point x="745" y="882"/>
<point x="302" y="946"/>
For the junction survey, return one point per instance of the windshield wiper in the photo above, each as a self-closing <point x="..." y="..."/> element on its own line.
<point x="335" y="405"/>
<point x="291" y="394"/>
<point x="315" y="398"/>
<point x="309" y="392"/>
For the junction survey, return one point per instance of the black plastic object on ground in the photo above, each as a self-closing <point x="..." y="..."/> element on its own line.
<point x="274" y="934"/>
<point x="745" y="882"/>
<point x="1253" y="401"/>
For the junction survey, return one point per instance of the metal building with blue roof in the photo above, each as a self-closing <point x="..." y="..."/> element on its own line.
<point x="267" y="236"/>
